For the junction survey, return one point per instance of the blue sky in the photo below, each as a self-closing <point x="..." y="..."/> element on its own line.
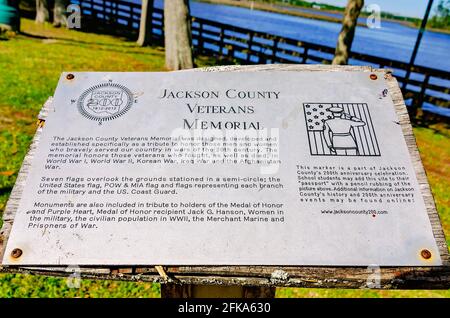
<point x="412" y="8"/>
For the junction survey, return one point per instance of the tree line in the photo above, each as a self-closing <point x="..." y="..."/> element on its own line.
<point x="441" y="17"/>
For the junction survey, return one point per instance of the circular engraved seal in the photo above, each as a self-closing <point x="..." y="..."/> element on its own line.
<point x="105" y="101"/>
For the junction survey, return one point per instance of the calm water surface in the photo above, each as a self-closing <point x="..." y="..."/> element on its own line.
<point x="392" y="40"/>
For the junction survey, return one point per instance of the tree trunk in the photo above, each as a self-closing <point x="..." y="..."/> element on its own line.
<point x="145" y="26"/>
<point x="177" y="29"/>
<point x="59" y="13"/>
<point x="345" y="39"/>
<point x="42" y="11"/>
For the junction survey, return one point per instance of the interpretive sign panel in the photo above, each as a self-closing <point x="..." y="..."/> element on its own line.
<point x="186" y="168"/>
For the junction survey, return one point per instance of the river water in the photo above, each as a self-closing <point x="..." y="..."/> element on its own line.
<point x="392" y="40"/>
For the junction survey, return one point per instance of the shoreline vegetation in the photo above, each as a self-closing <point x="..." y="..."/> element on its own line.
<point x="289" y="9"/>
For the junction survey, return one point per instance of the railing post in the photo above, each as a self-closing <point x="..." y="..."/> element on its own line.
<point x="417" y="102"/>
<point x="114" y="13"/>
<point x="304" y="55"/>
<point x="230" y="53"/>
<point x="150" y="21"/>
<point x="162" y="27"/>
<point x="250" y="43"/>
<point x="407" y="76"/>
<point x="105" y="13"/>
<point x="91" y="8"/>
<point x="221" y="42"/>
<point x="89" y="5"/>
<point x="103" y="9"/>
<point x="274" y="49"/>
<point x="130" y="19"/>
<point x="200" y="43"/>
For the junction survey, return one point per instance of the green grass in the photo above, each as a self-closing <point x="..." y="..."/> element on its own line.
<point x="434" y="147"/>
<point x="51" y="287"/>
<point x="30" y="66"/>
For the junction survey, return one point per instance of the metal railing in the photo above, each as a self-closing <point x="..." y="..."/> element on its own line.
<point x="426" y="87"/>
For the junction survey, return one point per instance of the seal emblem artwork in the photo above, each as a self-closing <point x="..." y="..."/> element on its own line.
<point x="105" y="102"/>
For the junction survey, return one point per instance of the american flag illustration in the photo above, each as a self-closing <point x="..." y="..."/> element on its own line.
<point x="316" y="115"/>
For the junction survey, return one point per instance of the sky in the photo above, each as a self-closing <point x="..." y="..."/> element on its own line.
<point x="412" y="8"/>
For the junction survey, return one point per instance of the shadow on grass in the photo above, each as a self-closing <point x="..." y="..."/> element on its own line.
<point x="43" y="37"/>
<point x="106" y="46"/>
<point x="155" y="44"/>
<point x="35" y="36"/>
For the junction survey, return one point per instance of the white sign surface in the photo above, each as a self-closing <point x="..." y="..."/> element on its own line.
<point x="267" y="168"/>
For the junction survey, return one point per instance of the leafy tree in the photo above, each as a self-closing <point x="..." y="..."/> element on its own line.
<point x="441" y="18"/>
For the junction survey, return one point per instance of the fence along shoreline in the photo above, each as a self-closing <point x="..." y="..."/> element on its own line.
<point x="426" y="88"/>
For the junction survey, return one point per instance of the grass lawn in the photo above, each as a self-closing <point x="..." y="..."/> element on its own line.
<point x="30" y="65"/>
